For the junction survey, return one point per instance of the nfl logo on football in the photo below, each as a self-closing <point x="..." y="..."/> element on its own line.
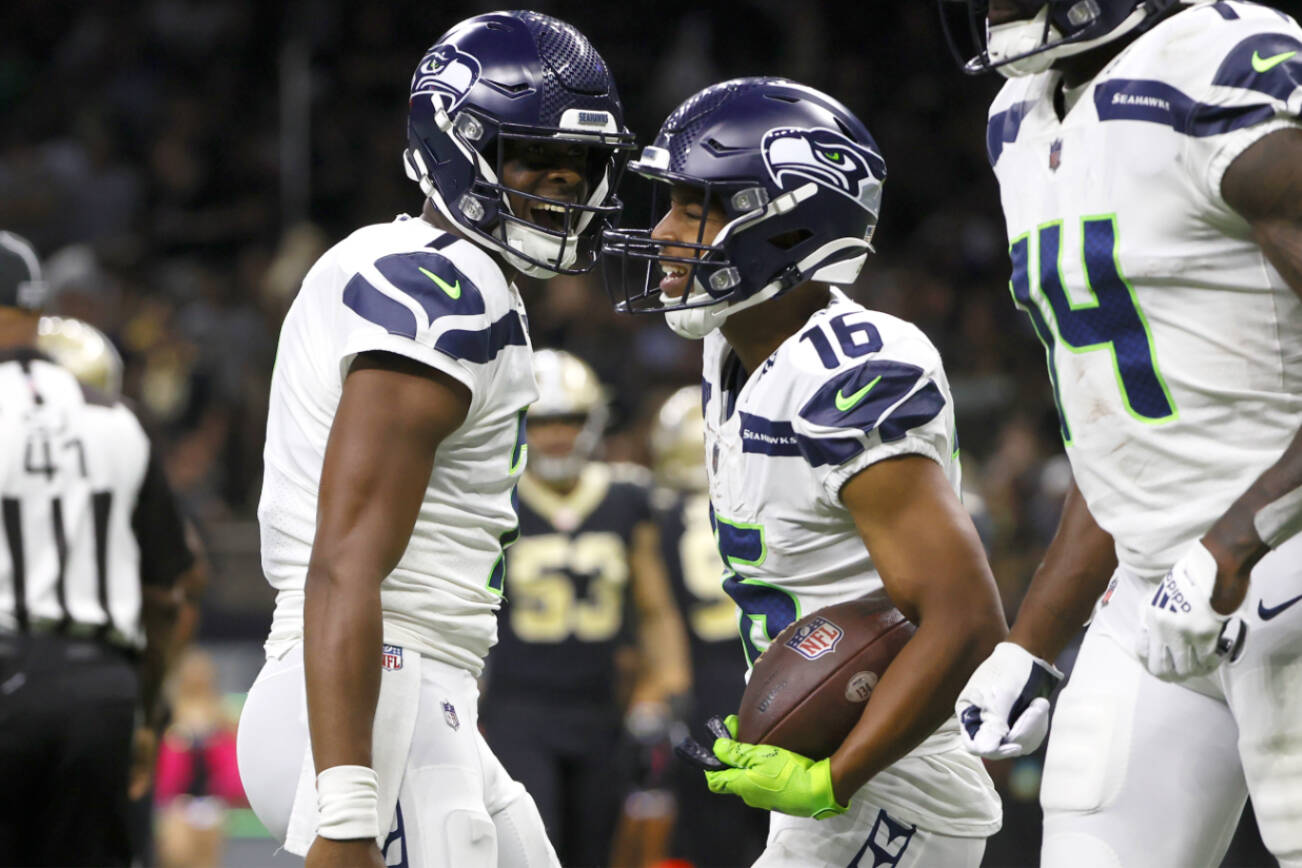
<point x="392" y="658"/>
<point x="815" y="639"/>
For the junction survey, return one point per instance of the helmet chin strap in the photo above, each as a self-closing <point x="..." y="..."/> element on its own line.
<point x="557" y="470"/>
<point x="694" y="323"/>
<point x="568" y="467"/>
<point x="538" y="245"/>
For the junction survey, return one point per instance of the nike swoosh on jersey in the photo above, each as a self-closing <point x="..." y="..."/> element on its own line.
<point x="1266" y="64"/>
<point x="1266" y="614"/>
<point x="453" y="290"/>
<point x="844" y="402"/>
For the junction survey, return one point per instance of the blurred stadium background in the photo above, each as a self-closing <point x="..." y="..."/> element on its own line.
<point x="179" y="164"/>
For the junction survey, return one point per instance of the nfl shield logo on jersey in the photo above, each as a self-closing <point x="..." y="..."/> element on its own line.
<point x="391" y="661"/>
<point x="1055" y="155"/>
<point x="450" y="715"/>
<point x="815" y="639"/>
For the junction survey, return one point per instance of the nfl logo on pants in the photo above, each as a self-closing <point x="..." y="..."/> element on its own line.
<point x="391" y="659"/>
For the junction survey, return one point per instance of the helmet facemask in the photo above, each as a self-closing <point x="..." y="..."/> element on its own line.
<point x="1049" y="31"/>
<point x="716" y="286"/>
<point x="480" y="205"/>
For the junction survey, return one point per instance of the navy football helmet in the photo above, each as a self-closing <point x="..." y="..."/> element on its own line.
<point x="526" y="77"/>
<point x="799" y="177"/>
<point x="1049" y="30"/>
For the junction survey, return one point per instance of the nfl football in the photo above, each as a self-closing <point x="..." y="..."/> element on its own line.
<point x="808" y="690"/>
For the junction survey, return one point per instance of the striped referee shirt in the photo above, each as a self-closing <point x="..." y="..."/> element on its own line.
<point x="86" y="516"/>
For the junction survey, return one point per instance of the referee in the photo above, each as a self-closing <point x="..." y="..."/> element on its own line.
<point x="90" y="548"/>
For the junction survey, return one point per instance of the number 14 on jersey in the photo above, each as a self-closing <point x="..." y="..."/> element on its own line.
<point x="1112" y="321"/>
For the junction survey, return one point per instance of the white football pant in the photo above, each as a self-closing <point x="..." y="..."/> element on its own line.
<point x="1144" y="772"/>
<point x="863" y="837"/>
<point x="457" y="806"/>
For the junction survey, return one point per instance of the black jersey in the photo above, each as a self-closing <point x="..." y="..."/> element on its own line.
<point x="696" y="574"/>
<point x="567" y="593"/>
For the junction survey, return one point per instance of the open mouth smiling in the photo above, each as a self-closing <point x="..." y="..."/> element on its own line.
<point x="548" y="216"/>
<point x="673" y="283"/>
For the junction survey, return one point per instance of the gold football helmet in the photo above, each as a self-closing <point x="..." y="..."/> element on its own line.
<point x="82" y="349"/>
<point x="568" y="390"/>
<point x="678" y="442"/>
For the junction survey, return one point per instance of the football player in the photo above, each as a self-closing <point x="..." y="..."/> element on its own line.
<point x="1149" y="156"/>
<point x="82" y="349"/>
<point x="395" y="439"/>
<point x="584" y="578"/>
<point x="682" y="511"/>
<point x="829" y="435"/>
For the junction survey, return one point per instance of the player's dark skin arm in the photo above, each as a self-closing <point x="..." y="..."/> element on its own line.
<point x="391" y="418"/>
<point x="1069" y="581"/>
<point x="159" y="607"/>
<point x="663" y="670"/>
<point x="932" y="564"/>
<point x="1264" y="185"/>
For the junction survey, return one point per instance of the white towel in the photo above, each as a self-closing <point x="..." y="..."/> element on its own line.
<point x="395" y="724"/>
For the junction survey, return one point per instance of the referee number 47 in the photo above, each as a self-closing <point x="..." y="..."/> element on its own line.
<point x="39" y="456"/>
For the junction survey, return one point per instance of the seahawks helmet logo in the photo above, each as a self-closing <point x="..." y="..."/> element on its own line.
<point x="448" y="70"/>
<point x="826" y="157"/>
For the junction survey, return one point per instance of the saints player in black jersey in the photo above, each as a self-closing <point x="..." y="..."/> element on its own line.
<point x="681" y="504"/>
<point x="584" y="579"/>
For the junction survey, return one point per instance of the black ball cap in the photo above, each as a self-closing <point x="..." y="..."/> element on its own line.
<point x="21" y="284"/>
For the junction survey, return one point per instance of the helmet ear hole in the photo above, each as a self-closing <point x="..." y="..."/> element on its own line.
<point x="788" y="240"/>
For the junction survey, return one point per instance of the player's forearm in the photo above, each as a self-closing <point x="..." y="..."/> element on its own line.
<point x="664" y="670"/>
<point x="916" y="694"/>
<point x="1075" y="572"/>
<point x="342" y="638"/>
<point x="158" y="614"/>
<point x="1272" y="506"/>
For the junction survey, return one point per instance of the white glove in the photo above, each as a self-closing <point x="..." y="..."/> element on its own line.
<point x="1180" y="634"/>
<point x="1003" y="710"/>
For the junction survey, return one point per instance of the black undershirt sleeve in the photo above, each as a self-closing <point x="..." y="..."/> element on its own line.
<point x="158" y="529"/>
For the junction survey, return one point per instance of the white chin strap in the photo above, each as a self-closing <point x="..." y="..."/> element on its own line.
<point x="694" y="323"/>
<point x="567" y="467"/>
<point x="1016" y="38"/>
<point x="556" y="469"/>
<point x="540" y="246"/>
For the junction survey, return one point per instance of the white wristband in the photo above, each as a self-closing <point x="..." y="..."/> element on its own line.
<point x="347" y="803"/>
<point x="1280" y="519"/>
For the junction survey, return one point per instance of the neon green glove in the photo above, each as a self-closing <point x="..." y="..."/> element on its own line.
<point x="773" y="778"/>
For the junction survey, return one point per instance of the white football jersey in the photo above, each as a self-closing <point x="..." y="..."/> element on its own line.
<point x="851" y="388"/>
<point x="1173" y="345"/>
<point x="408" y="288"/>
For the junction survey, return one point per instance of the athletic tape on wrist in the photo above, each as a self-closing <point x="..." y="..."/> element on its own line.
<point x="1280" y="519"/>
<point x="347" y="803"/>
